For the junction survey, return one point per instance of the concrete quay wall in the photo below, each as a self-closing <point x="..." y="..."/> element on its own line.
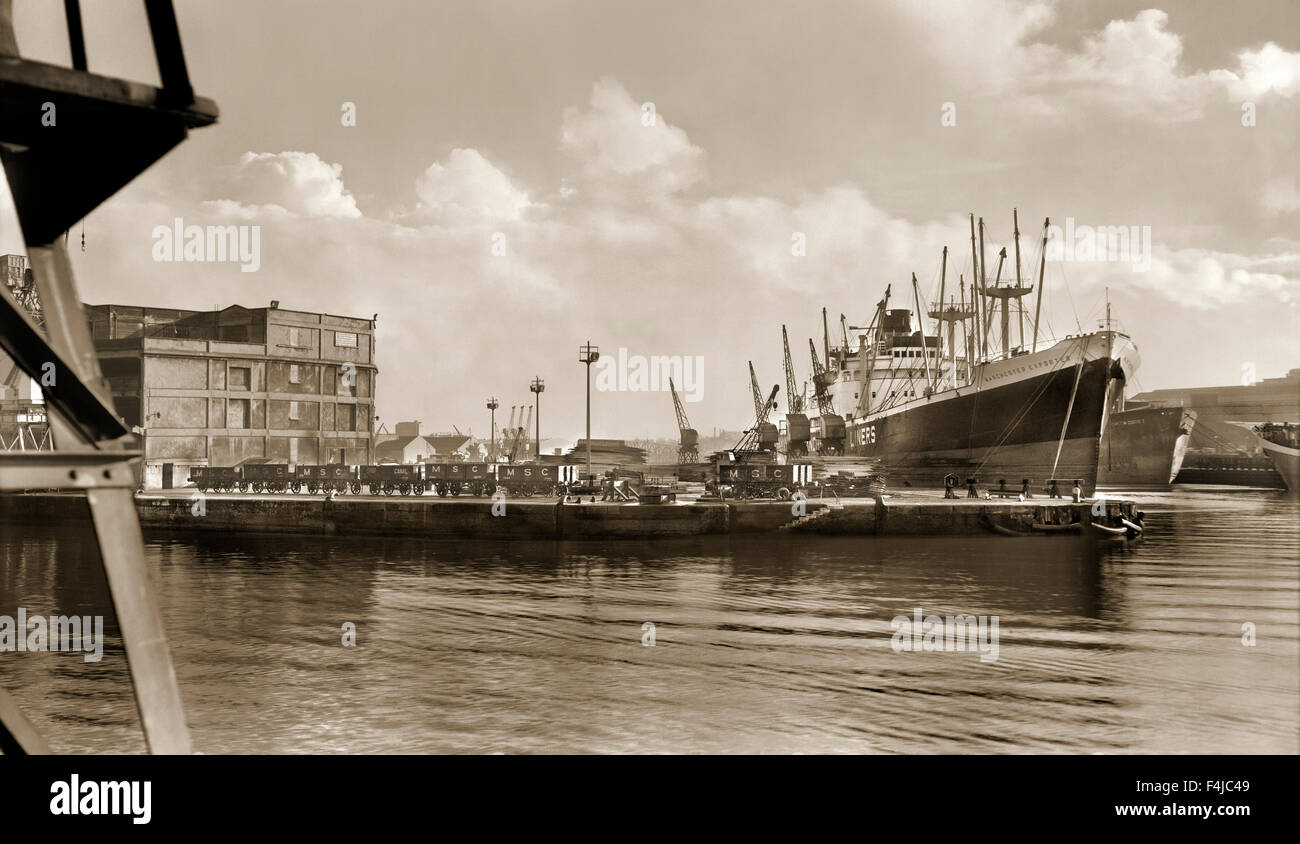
<point x="477" y="518"/>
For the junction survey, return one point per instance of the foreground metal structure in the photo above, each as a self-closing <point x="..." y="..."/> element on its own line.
<point x="70" y="139"/>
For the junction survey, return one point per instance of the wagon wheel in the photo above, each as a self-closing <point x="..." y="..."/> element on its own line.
<point x="455" y="490"/>
<point x="783" y="494"/>
<point x="257" y="486"/>
<point x="419" y="488"/>
<point x="356" y="488"/>
<point x="404" y="488"/>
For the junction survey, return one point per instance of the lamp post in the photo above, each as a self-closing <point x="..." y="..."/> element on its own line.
<point x="588" y="354"/>
<point x="538" y="387"/>
<point x="492" y="405"/>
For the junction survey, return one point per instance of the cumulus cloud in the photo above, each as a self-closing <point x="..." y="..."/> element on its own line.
<point x="1268" y="70"/>
<point x="297" y="183"/>
<point x="615" y="138"/>
<point x="468" y="188"/>
<point x="1134" y="66"/>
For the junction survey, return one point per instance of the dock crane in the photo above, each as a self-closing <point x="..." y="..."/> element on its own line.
<point x="797" y="427"/>
<point x="519" y="432"/>
<point x="828" y="426"/>
<point x="688" y="450"/>
<point x="768" y="436"/>
<point x="749" y="442"/>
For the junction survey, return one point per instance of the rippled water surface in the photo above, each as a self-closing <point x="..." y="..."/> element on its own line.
<point x="762" y="644"/>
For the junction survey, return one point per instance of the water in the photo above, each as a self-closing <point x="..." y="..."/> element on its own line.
<point x="763" y="644"/>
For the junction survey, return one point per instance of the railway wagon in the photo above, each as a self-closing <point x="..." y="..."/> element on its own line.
<point x="268" y="477"/>
<point x="460" y="478"/>
<point x="527" y="479"/>
<point x="324" y="478"/>
<point x="763" y="480"/>
<point x="404" y="478"/>
<point x="217" y="478"/>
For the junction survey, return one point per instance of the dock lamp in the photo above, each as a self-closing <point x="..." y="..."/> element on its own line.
<point x="588" y="354"/>
<point x="492" y="405"/>
<point x="538" y="387"/>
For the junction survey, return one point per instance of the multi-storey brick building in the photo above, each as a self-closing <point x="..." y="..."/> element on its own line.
<point x="222" y="387"/>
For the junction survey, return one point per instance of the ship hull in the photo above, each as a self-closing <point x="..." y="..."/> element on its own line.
<point x="1034" y="417"/>
<point x="1144" y="447"/>
<point x="1287" y="461"/>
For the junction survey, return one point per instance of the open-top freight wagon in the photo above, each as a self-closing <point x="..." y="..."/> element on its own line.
<point x="331" y="476"/>
<point x="460" y="478"/>
<point x="763" y="480"/>
<point x="268" y="477"/>
<point x="523" y="480"/>
<point x="217" y="478"/>
<point x="390" y="478"/>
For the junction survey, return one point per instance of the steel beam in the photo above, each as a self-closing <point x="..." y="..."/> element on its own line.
<point x="66" y="469"/>
<point x="17" y="735"/>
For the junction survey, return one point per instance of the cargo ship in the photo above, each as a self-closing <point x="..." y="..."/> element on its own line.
<point x="1144" y="446"/>
<point x="928" y="406"/>
<point x="1281" y="442"/>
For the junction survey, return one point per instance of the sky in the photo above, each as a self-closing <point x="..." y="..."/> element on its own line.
<point x="684" y="178"/>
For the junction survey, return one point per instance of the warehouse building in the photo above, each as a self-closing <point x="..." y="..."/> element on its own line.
<point x="220" y="388"/>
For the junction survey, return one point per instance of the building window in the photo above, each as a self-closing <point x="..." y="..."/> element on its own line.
<point x="345" y="383"/>
<point x="239" y="377"/>
<point x="345" y="417"/>
<point x="237" y="413"/>
<point x="345" y="339"/>
<point x="295" y="336"/>
<point x="294" y="411"/>
<point x="295" y="374"/>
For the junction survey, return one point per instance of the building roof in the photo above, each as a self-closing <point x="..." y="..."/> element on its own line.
<point x="436" y="444"/>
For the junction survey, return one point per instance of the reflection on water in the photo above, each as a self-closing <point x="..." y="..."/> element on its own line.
<point x="763" y="644"/>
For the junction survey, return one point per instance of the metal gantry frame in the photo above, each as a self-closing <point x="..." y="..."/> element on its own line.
<point x="105" y="132"/>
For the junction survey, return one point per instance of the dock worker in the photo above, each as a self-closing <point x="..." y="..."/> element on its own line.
<point x="949" y="485"/>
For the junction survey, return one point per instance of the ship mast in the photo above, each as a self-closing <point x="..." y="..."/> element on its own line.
<point x="869" y="363"/>
<point x="920" y="319"/>
<point x="938" y="327"/>
<point x="975" y="273"/>
<point x="972" y="343"/>
<point x="1020" y="309"/>
<point x="965" y="333"/>
<point x="1042" y="265"/>
<point x="984" y="288"/>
